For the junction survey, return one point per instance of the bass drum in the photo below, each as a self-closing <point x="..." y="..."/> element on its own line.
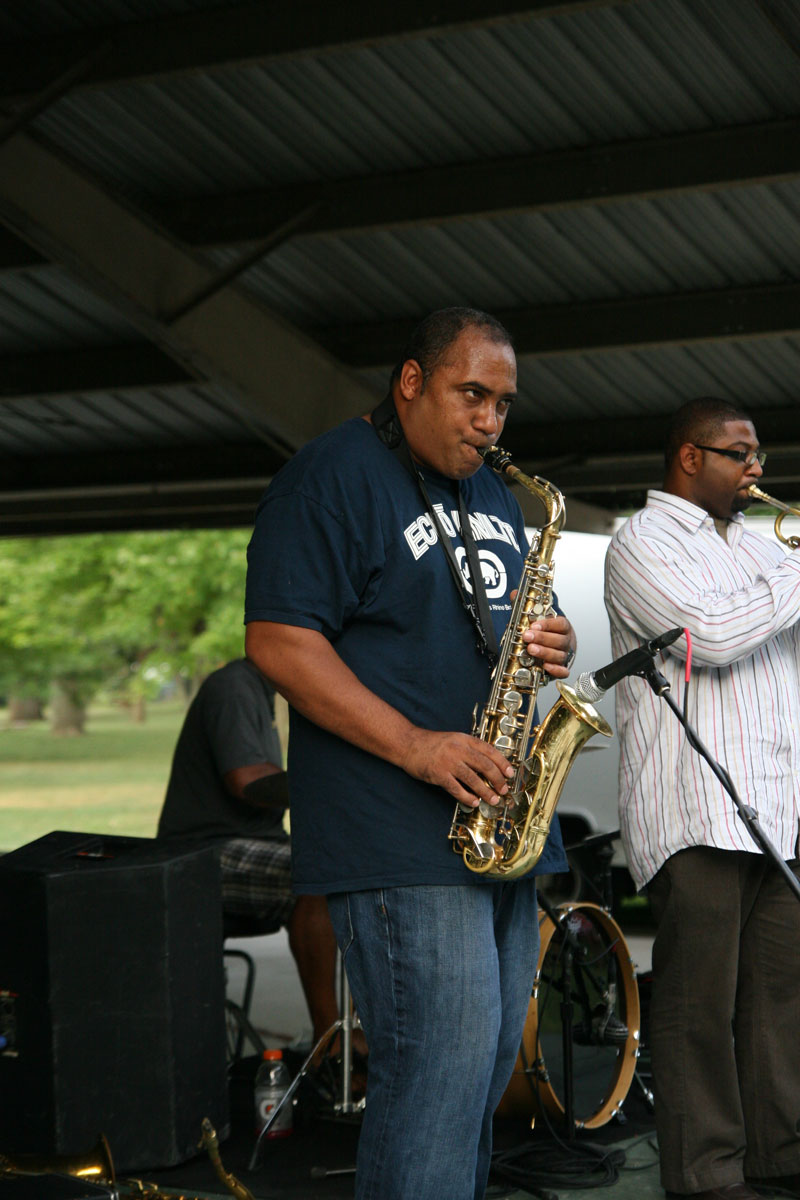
<point x="601" y="984"/>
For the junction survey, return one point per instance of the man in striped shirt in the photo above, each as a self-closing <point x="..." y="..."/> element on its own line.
<point x="726" y="958"/>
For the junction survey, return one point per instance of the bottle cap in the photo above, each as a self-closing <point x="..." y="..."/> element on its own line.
<point x="273" y="1054"/>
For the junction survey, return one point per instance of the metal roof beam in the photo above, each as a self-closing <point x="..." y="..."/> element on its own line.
<point x="611" y="459"/>
<point x="756" y="153"/>
<point x="554" y="444"/>
<point x="630" y="437"/>
<point x="556" y="329"/>
<point x="62" y="502"/>
<point x="674" y="319"/>
<point x="110" y="514"/>
<point x="141" y="469"/>
<point x="196" y="487"/>
<point x="202" y="321"/>
<point x="742" y="154"/>
<point x="91" y="369"/>
<point x="606" y="477"/>
<point x="248" y="33"/>
<point x="726" y="314"/>
<point x="15" y="254"/>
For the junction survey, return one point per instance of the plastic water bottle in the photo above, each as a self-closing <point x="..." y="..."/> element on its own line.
<point x="272" y="1083"/>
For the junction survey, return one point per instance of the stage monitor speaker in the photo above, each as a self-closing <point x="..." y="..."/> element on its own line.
<point x="52" y="1187"/>
<point x="112" y="997"/>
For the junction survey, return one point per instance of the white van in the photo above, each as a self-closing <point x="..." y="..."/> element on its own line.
<point x="588" y="804"/>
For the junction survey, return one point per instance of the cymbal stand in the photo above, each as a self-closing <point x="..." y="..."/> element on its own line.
<point x="345" y="1105"/>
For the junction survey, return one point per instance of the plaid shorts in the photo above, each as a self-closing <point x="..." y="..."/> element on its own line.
<point x="256" y="880"/>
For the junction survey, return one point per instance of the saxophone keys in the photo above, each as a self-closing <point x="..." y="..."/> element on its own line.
<point x="512" y="700"/>
<point x="523" y="677"/>
<point x="507" y="725"/>
<point x="503" y="743"/>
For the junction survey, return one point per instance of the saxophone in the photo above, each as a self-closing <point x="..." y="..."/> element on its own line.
<point x="506" y="840"/>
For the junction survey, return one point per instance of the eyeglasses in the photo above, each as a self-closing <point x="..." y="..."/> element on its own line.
<point x="746" y="457"/>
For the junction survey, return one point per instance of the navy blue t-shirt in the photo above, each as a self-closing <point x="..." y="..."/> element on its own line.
<point x="343" y="544"/>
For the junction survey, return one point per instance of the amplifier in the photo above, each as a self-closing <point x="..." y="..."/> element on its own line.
<point x="112" y="998"/>
<point x="52" y="1187"/>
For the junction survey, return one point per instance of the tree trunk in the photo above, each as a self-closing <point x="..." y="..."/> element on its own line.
<point x="22" y="709"/>
<point x="67" y="710"/>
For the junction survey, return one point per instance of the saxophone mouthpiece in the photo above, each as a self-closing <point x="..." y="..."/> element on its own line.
<point x="495" y="457"/>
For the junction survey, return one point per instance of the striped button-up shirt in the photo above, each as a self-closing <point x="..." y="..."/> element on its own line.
<point x="740" y="601"/>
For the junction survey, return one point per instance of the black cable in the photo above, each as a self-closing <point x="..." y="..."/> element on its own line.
<point x="642" y="1166"/>
<point x="537" y="1167"/>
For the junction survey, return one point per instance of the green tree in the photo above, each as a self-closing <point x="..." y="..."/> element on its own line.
<point x="118" y="610"/>
<point x="176" y="602"/>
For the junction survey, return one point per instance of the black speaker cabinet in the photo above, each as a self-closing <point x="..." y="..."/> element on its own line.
<point x="52" y="1187"/>
<point x="112" y="998"/>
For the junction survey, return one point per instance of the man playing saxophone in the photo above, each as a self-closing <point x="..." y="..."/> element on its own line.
<point x="726" y="958"/>
<point x="361" y="609"/>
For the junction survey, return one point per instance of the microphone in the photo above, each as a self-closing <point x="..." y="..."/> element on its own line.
<point x="591" y="685"/>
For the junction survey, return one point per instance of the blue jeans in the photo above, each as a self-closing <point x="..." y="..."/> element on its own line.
<point x="441" y="978"/>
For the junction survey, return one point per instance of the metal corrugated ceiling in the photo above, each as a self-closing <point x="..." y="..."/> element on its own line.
<point x="540" y="162"/>
<point x="134" y="420"/>
<point x="624" y="249"/>
<point x="44" y="308"/>
<point x="619" y="73"/>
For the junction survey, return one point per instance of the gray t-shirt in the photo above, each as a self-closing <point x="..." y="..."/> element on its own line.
<point x="229" y="724"/>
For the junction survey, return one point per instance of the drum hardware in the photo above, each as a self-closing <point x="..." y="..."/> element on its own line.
<point x="345" y="1106"/>
<point x="585" y="965"/>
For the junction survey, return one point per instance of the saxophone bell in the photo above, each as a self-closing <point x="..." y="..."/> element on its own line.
<point x="93" y="1166"/>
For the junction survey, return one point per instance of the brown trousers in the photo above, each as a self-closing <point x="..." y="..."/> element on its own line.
<point x="725" y="1019"/>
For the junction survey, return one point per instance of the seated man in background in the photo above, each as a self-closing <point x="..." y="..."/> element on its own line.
<point x="220" y="792"/>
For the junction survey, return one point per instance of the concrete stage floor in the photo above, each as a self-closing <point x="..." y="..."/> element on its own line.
<point x="315" y="1162"/>
<point x="619" y="1157"/>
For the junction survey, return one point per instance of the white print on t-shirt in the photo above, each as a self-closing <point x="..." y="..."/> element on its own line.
<point x="492" y="568"/>
<point x="421" y="534"/>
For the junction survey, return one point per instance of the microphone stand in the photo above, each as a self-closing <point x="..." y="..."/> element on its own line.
<point x="749" y="815"/>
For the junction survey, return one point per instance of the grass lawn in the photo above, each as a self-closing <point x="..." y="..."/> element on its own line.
<point x="111" y="780"/>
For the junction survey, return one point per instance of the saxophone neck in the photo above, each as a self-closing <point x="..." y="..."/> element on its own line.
<point x="546" y="493"/>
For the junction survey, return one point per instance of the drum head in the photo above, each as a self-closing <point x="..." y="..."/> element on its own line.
<point x="604" y="1036"/>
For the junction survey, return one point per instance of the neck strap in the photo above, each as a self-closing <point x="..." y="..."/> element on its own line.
<point x="387" y="425"/>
